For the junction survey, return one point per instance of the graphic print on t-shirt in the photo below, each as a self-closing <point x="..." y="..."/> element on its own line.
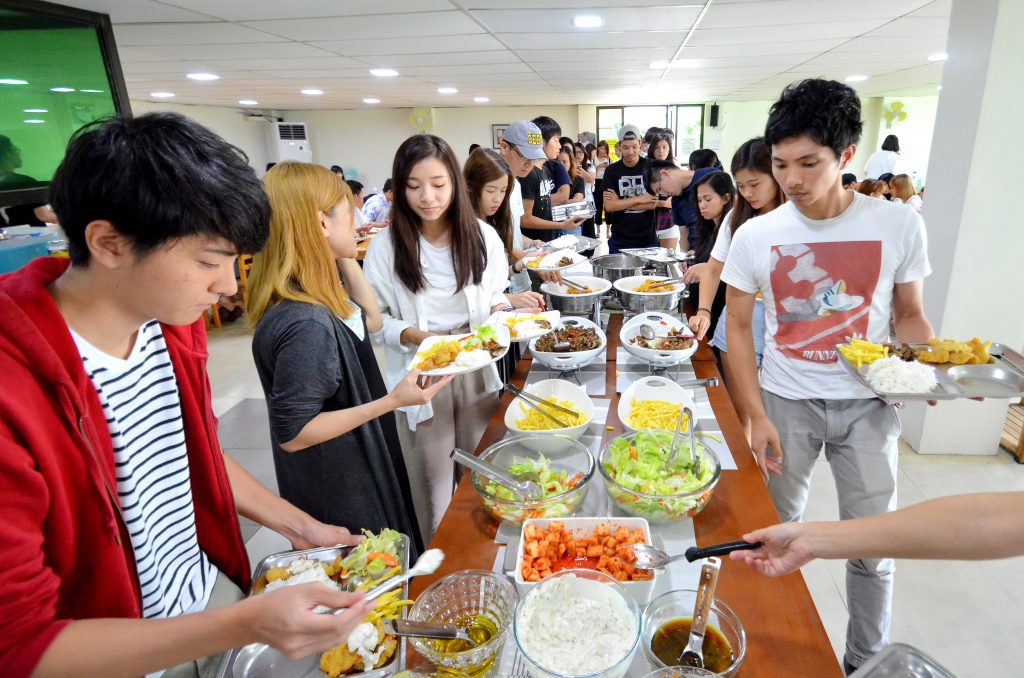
<point x="631" y="187"/>
<point x="823" y="293"/>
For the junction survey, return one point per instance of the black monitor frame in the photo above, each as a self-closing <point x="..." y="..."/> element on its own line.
<point x="118" y="90"/>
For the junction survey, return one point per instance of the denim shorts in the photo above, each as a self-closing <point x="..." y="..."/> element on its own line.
<point x="757" y="326"/>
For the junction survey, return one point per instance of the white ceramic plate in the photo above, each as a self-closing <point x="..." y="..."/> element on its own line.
<point x="503" y="339"/>
<point x="502" y="318"/>
<point x="653" y="388"/>
<point x="549" y="262"/>
<point x="632" y="282"/>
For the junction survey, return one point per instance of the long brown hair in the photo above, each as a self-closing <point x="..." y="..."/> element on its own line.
<point x="574" y="167"/>
<point x="297" y="262"/>
<point x="469" y="255"/>
<point x="753" y="155"/>
<point x="483" y="167"/>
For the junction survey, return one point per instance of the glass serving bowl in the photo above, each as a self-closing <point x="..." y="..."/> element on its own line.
<point x="567" y="455"/>
<point x="586" y="584"/>
<point x="456" y="600"/>
<point x="658" y="508"/>
<point x="679" y="604"/>
<point x="680" y="672"/>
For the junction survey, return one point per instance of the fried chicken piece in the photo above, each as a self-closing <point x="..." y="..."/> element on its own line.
<point x="338" y="661"/>
<point x="389" y="647"/>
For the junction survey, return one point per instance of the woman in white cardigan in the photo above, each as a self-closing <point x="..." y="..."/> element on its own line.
<point x="436" y="270"/>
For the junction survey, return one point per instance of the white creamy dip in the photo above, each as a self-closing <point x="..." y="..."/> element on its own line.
<point x="569" y="632"/>
<point x="429" y="561"/>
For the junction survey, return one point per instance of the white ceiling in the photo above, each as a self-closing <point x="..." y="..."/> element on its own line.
<point x="268" y="50"/>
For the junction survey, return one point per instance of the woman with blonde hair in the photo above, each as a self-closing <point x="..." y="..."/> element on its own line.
<point x="335" y="445"/>
<point x="903" y="191"/>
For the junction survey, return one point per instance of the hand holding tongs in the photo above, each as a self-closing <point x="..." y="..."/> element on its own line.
<point x="536" y="402"/>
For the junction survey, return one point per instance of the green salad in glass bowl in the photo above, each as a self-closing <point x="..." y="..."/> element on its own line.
<point x="563" y="473"/>
<point x="638" y="481"/>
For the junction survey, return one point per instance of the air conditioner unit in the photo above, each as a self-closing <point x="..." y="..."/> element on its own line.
<point x="288" y="141"/>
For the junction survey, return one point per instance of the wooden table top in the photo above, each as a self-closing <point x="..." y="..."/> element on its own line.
<point x="785" y="636"/>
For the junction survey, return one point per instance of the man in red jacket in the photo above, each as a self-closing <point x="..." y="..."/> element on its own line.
<point x="120" y="510"/>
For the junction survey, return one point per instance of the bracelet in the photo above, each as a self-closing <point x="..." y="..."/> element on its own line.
<point x="706" y="310"/>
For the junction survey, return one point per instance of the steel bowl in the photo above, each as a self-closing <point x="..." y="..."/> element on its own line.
<point x="611" y="267"/>
<point x="559" y="299"/>
<point x="640" y="302"/>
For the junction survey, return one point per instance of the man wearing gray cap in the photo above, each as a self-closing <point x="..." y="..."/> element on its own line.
<point x="521" y="144"/>
<point x="523" y="141"/>
<point x="628" y="204"/>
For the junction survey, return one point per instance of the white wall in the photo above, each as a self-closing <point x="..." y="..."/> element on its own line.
<point x="227" y="122"/>
<point x="738" y="121"/>
<point x="363" y="139"/>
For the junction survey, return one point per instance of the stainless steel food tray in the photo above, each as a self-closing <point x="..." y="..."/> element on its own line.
<point x="1002" y="377"/>
<point x="583" y="209"/>
<point x="269" y="663"/>
<point x="661" y="255"/>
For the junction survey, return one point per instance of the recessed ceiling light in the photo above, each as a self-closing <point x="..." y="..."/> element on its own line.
<point x="383" y="72"/>
<point x="248" y="102"/>
<point x="587" y="21"/>
<point x="856" y="78"/>
<point x="34" y="122"/>
<point x="938" y="56"/>
<point x="62" y="89"/>
<point x="203" y="76"/>
<point x="161" y="95"/>
<point x="447" y="90"/>
<point x="312" y="92"/>
<point x="92" y="91"/>
<point x="371" y="100"/>
<point x="34" y="110"/>
<point x="660" y="64"/>
<point x="939" y="87"/>
<point x="12" y="81"/>
<point x="481" y="100"/>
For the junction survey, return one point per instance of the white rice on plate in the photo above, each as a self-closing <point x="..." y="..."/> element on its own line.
<point x="893" y="375"/>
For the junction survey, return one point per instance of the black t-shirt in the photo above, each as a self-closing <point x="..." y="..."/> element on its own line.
<point x="537" y="186"/>
<point x="630" y="228"/>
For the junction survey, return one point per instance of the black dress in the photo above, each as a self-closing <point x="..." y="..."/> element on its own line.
<point x="310" y="362"/>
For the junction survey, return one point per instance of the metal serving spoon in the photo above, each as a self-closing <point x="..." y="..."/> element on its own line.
<point x="653" y="558"/>
<point x="418" y="629"/>
<point x="693" y="655"/>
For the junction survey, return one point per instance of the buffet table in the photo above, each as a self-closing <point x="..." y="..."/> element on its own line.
<point x="785" y="636"/>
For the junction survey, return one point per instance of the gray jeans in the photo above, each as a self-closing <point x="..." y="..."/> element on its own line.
<point x="860" y="441"/>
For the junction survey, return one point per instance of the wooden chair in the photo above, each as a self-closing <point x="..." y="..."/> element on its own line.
<point x="244" y="266"/>
<point x="1013" y="431"/>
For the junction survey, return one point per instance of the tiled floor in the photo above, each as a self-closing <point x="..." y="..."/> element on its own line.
<point x="967" y="615"/>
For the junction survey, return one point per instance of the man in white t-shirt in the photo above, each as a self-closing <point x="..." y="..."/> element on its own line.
<point x="830" y="264"/>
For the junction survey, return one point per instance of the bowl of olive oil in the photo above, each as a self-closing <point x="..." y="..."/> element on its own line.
<point x="480" y="603"/>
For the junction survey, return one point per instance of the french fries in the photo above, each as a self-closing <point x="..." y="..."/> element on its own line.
<point x="861" y="352"/>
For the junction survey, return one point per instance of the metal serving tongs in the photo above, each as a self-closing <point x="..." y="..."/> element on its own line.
<point x="535" y="402"/>
<point x="573" y="284"/>
<point x="669" y="281"/>
<point x="693" y="654"/>
<point x="525" y="485"/>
